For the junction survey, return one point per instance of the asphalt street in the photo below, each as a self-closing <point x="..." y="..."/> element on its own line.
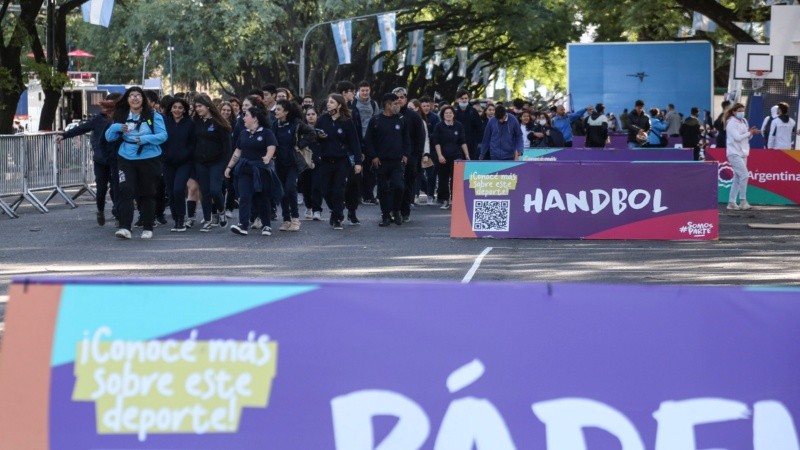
<point x="68" y="243"/>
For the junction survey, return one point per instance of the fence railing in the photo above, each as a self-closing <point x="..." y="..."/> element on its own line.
<point x="37" y="163"/>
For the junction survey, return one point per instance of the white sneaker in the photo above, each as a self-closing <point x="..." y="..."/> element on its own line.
<point x="266" y="231"/>
<point x="744" y="205"/>
<point x="239" y="229"/>
<point x="317" y="215"/>
<point x="122" y="233"/>
<point x="732" y="205"/>
<point x="431" y="201"/>
<point x="445" y="205"/>
<point x="308" y="215"/>
<point x="147" y="234"/>
<point x="229" y="214"/>
<point x="256" y="224"/>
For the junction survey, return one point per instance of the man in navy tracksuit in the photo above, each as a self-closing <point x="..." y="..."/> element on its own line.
<point x="416" y="132"/>
<point x="388" y="148"/>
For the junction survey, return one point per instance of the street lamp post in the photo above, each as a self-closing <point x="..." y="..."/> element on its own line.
<point x="302" y="75"/>
<point x="145" y="53"/>
<point x="170" y="48"/>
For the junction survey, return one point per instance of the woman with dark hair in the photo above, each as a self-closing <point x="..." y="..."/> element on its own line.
<point x="291" y="132"/>
<point x="526" y="124"/>
<point x="226" y="111"/>
<point x="229" y="193"/>
<point x="450" y="143"/>
<point x="545" y="134"/>
<point x="338" y="144"/>
<point x="212" y="150"/>
<point x="236" y="104"/>
<point x="252" y="165"/>
<point x="141" y="132"/>
<point x="308" y="183"/>
<point x="178" y="153"/>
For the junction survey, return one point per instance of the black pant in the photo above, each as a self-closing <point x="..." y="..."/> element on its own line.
<point x="230" y="192"/>
<point x="446" y="179"/>
<point x="138" y="179"/>
<point x="210" y="178"/>
<point x="390" y="185"/>
<point x="352" y="190"/>
<point x="332" y="178"/>
<point x="249" y="198"/>
<point x="410" y="184"/>
<point x="368" y="183"/>
<point x="288" y="177"/>
<point x="175" y="177"/>
<point x="104" y="177"/>
<point x="308" y="184"/>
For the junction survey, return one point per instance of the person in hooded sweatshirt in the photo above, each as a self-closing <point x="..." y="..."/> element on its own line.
<point x="178" y="163"/>
<point x="782" y="129"/>
<point x="767" y="123"/>
<point x="597" y="128"/>
<point x="691" y="132"/>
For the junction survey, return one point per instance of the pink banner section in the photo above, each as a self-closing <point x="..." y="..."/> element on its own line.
<point x="585" y="200"/>
<point x="774" y="176"/>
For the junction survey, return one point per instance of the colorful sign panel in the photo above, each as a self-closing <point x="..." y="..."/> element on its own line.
<point x="362" y="366"/>
<point x="589" y="154"/>
<point x="620" y="141"/>
<point x="585" y="200"/>
<point x="774" y="176"/>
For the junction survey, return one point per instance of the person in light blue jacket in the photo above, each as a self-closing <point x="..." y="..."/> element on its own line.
<point x="142" y="131"/>
<point x="657" y="126"/>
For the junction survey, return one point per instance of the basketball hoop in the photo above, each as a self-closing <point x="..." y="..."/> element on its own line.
<point x="758" y="73"/>
<point x="757" y="80"/>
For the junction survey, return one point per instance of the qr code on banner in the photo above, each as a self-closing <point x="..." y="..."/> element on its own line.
<point x="490" y="215"/>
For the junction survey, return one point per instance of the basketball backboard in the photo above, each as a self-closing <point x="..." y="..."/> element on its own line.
<point x="784" y="34"/>
<point x="754" y="61"/>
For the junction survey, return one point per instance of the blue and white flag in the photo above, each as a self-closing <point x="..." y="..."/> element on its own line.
<point x="440" y="41"/>
<point x="500" y="82"/>
<point x="429" y="66"/>
<point x="377" y="65"/>
<point x="447" y="64"/>
<point x="401" y="62"/>
<point x="476" y="68"/>
<point x="416" y="39"/>
<point x="343" y="38"/>
<point x="461" y="53"/>
<point x="98" y="12"/>
<point x="703" y="23"/>
<point x="386" y="25"/>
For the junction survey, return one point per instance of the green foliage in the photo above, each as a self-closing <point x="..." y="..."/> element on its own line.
<point x="50" y="79"/>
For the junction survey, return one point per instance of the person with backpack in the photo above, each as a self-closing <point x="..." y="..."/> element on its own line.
<point x="141" y="132"/>
<point x="781" y="129"/>
<point x="597" y="127"/>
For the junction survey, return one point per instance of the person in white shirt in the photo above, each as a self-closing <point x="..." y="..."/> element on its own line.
<point x="782" y="129"/>
<point x="773" y="114"/>
<point x="737" y="149"/>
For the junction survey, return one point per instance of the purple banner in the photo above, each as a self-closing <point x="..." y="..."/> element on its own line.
<point x="620" y="141"/>
<point x="442" y="366"/>
<point x="591" y="154"/>
<point x="585" y="200"/>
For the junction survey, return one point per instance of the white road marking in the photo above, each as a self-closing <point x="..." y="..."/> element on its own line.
<point x="475" y="265"/>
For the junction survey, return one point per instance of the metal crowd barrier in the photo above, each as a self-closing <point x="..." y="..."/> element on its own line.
<point x="12" y="171"/>
<point x="36" y="163"/>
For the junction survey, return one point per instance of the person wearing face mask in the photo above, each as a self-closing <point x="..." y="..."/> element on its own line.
<point x="339" y="145"/>
<point x="502" y="139"/>
<point x="467" y="116"/>
<point x="141" y="131"/>
<point x="597" y="128"/>
<point x="388" y="149"/>
<point x="291" y="132"/>
<point x="737" y="148"/>
<point x="178" y="151"/>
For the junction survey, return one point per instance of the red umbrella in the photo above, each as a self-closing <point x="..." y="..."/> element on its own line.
<point x="80" y="53"/>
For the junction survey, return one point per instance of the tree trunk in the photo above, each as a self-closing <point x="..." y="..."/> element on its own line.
<point x="52" y="97"/>
<point x="12" y="82"/>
